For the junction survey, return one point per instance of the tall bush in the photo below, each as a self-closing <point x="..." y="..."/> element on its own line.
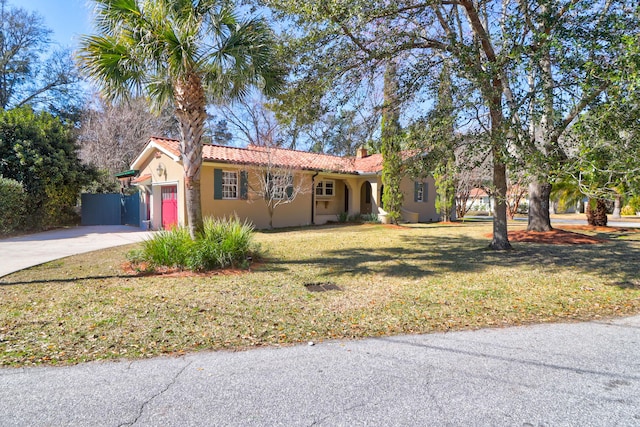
<point x="223" y="243"/>
<point x="40" y="151"/>
<point x="12" y="206"/>
<point x="634" y="202"/>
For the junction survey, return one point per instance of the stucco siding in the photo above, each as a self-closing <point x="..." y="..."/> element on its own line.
<point x="426" y="209"/>
<point x="254" y="208"/>
<point x="164" y="171"/>
<point x="352" y="192"/>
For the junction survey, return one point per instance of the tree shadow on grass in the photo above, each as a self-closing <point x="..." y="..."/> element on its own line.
<point x="414" y="260"/>
<point x="421" y="256"/>
<point x="65" y="280"/>
<point x="616" y="261"/>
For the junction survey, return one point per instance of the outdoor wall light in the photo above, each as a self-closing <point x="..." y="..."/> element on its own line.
<point x="161" y="170"/>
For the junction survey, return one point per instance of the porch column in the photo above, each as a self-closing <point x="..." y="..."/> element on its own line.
<point x="354" y="196"/>
<point x="375" y="196"/>
<point x="156" y="207"/>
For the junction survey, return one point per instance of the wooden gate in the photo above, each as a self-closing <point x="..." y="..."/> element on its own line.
<point x="110" y="209"/>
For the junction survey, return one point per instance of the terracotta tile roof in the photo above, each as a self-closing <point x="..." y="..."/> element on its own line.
<point x="254" y="155"/>
<point x="141" y="178"/>
<point x="171" y="145"/>
<point x="478" y="192"/>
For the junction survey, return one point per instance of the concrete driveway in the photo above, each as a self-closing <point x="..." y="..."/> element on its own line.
<point x="21" y="252"/>
<point x="580" y="374"/>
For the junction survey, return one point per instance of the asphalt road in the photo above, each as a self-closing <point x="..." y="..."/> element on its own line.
<point x="581" y="374"/>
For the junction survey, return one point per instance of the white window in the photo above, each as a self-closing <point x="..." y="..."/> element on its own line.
<point x="325" y="188"/>
<point x="281" y="186"/>
<point x="420" y="193"/>
<point x="229" y="185"/>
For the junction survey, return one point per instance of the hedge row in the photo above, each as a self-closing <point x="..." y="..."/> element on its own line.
<point x="13" y="201"/>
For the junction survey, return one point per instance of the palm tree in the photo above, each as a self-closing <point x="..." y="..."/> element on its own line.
<point x="184" y="53"/>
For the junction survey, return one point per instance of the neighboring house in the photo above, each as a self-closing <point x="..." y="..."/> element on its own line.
<point x="479" y="201"/>
<point x="331" y="186"/>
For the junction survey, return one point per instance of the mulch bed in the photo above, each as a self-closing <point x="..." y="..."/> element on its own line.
<point x="128" y="268"/>
<point x="564" y="236"/>
<point x="554" y="237"/>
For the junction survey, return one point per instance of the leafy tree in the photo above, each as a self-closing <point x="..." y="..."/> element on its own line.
<point x="182" y="53"/>
<point x="566" y="192"/>
<point x="341" y="133"/>
<point x="27" y="75"/>
<point x="528" y="68"/>
<point x="40" y="151"/>
<point x="351" y="41"/>
<point x="566" y="54"/>
<point x="443" y="141"/>
<point x="321" y="111"/>
<point x="391" y="138"/>
<point x="604" y="166"/>
<point x="221" y="133"/>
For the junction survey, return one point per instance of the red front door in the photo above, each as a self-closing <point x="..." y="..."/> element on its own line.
<point x="169" y="207"/>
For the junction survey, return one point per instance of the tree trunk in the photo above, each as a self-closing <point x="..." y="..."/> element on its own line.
<point x="500" y="239"/>
<point x="597" y="213"/>
<point x="539" y="218"/>
<point x="191" y="113"/>
<point x="194" y="206"/>
<point x="492" y="90"/>
<point x="500" y="235"/>
<point x="617" y="207"/>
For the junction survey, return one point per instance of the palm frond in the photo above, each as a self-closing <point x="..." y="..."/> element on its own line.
<point x="160" y="94"/>
<point x="152" y="44"/>
<point x="111" y="65"/>
<point x="114" y="15"/>
<point x="244" y="59"/>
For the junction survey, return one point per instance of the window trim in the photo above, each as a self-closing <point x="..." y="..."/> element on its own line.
<point x="420" y="193"/>
<point x="322" y="185"/>
<point x="236" y="185"/>
<point x="280" y="190"/>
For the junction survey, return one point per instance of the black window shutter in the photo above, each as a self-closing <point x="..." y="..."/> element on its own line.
<point x="244" y="185"/>
<point x="217" y="184"/>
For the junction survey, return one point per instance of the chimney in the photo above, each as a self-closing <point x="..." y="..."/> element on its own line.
<point x="361" y="152"/>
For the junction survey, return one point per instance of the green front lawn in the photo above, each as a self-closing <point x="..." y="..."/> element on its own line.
<point x="418" y="279"/>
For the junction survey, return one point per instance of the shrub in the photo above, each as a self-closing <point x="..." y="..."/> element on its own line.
<point x="168" y="248"/>
<point x="523" y="208"/>
<point x="354" y="218"/>
<point x="370" y="218"/>
<point x="223" y="243"/>
<point x="12" y="206"/>
<point x="634" y="202"/>
<point x="627" y="210"/>
<point x="343" y="217"/>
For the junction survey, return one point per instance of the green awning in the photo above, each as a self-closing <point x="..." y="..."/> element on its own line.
<point x="127" y="174"/>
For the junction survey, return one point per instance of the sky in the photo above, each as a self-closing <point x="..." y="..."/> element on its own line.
<point x="68" y="19"/>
